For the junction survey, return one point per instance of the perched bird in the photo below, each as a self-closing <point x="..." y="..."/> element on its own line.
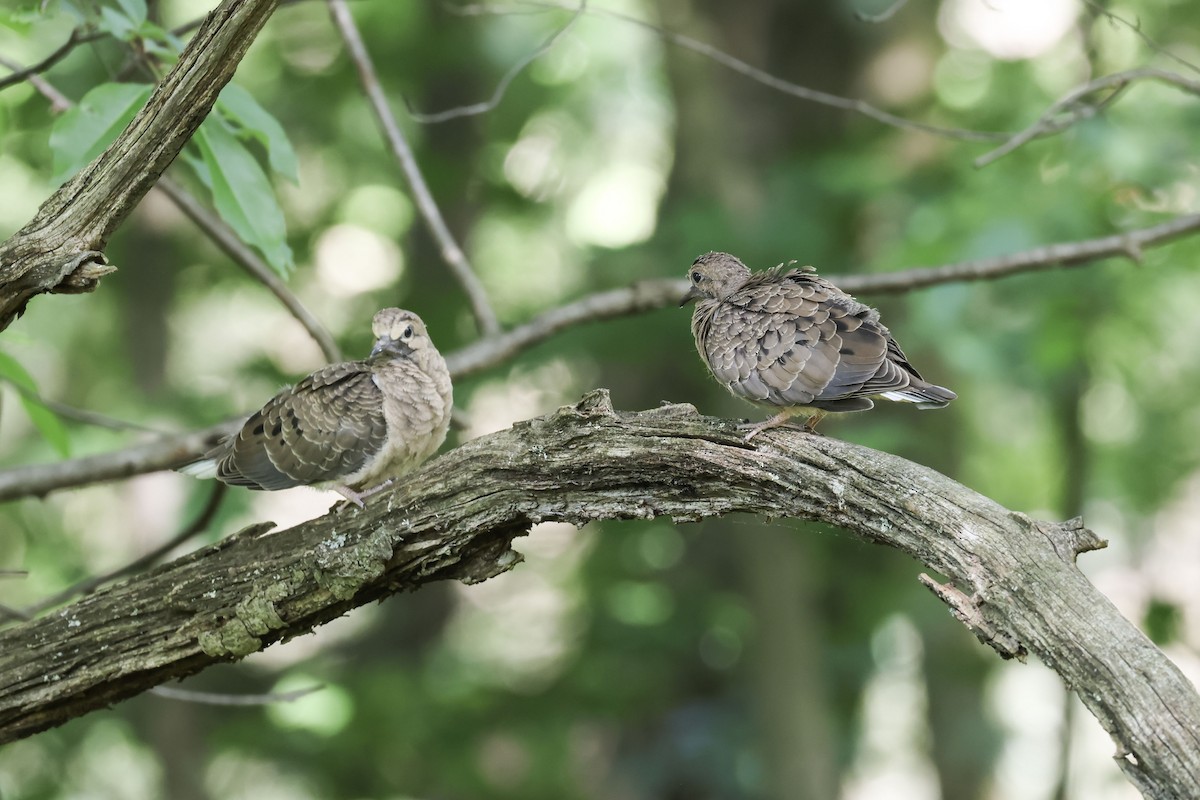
<point x="351" y="427"/>
<point x="789" y="339"/>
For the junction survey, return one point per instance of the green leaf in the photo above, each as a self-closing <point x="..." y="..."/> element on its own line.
<point x="134" y="9"/>
<point x="242" y="194"/>
<point x="47" y="423"/>
<point x="239" y="106"/>
<point x="83" y="132"/>
<point x="116" y="24"/>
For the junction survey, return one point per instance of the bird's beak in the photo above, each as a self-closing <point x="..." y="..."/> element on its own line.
<point x="693" y="293"/>
<point x="381" y="344"/>
<point x="391" y="345"/>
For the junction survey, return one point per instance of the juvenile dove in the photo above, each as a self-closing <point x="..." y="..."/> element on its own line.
<point x="789" y="339"/>
<point x="351" y="427"/>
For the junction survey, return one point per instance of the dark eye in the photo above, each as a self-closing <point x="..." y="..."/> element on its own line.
<point x="408" y="332"/>
<point x="696" y="276"/>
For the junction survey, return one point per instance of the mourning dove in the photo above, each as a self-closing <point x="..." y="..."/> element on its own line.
<point x="789" y="339"/>
<point x="351" y="427"/>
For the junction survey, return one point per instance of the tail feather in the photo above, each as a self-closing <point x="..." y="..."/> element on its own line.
<point x="925" y="395"/>
<point x="204" y="468"/>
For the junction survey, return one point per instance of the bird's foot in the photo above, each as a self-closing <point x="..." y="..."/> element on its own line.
<point x="782" y="420"/>
<point x="359" y="498"/>
<point x="350" y="495"/>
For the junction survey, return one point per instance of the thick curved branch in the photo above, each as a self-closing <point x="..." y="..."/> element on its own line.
<point x="1012" y="579"/>
<point x="60" y="250"/>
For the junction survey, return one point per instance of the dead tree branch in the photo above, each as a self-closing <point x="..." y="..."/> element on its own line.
<point x="452" y="254"/>
<point x="61" y="249"/>
<point x="1014" y="579"/>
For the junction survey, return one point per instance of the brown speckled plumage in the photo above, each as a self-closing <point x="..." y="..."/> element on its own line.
<point x="348" y="426"/>
<point x="790" y="339"/>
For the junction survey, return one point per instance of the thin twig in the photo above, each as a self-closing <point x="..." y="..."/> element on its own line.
<point x="640" y="297"/>
<point x="21" y="74"/>
<point x="754" y="73"/>
<point x="222" y="699"/>
<point x="452" y="254"/>
<point x="882" y="16"/>
<point x="14" y="573"/>
<point x="502" y="86"/>
<point x="225" y="238"/>
<point x="1141" y="34"/>
<point x="171" y="451"/>
<point x="89" y="585"/>
<point x="81" y="415"/>
<point x="1129" y="244"/>
<point x="1072" y="104"/>
<point x="58" y="101"/>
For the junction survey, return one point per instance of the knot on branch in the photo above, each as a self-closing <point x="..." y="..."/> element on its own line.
<point x="1069" y="538"/>
<point x="596" y="403"/>
<point x="83" y="273"/>
<point x="967" y="611"/>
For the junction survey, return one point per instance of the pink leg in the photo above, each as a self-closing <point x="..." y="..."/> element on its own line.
<point x="781" y="419"/>
<point x="351" y="495"/>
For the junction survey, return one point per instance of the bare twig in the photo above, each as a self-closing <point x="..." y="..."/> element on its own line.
<point x="452" y="254"/>
<point x="882" y="16"/>
<point x="640" y="297"/>
<point x="754" y="73"/>
<point x="1072" y="104"/>
<point x="14" y="573"/>
<point x="502" y="86"/>
<point x="224" y="237"/>
<point x="81" y="415"/>
<point x="222" y="699"/>
<point x="1141" y="34"/>
<point x="1129" y="244"/>
<point x="89" y="585"/>
<point x="171" y="451"/>
<point x="165" y="452"/>
<point x="21" y="74"/>
<point x="58" y="101"/>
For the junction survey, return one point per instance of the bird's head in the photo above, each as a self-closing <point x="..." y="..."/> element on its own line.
<point x="398" y="332"/>
<point x="716" y="276"/>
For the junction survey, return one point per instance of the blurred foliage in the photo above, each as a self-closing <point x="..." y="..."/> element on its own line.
<point x="732" y="658"/>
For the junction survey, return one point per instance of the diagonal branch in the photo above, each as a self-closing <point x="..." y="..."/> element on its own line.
<point x="61" y="249"/>
<point x="225" y="238"/>
<point x="1072" y="104"/>
<point x="452" y="254"/>
<point x="1014" y="579"/>
<point x="498" y="93"/>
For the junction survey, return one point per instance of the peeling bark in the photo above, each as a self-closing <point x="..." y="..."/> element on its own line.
<point x="61" y="249"/>
<point x="1012" y="579"/>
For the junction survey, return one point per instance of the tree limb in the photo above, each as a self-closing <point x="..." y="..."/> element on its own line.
<point x="1013" y="577"/>
<point x="452" y="254"/>
<point x="60" y="250"/>
<point x="170" y="451"/>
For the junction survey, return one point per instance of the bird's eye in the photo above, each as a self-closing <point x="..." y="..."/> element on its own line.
<point x="696" y="276"/>
<point x="408" y="332"/>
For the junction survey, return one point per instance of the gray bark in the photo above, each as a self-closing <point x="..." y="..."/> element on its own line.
<point x="1011" y="579"/>
<point x="61" y="249"/>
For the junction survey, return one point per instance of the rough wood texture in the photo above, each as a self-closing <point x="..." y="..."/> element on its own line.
<point x="1013" y="580"/>
<point x="61" y="249"/>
